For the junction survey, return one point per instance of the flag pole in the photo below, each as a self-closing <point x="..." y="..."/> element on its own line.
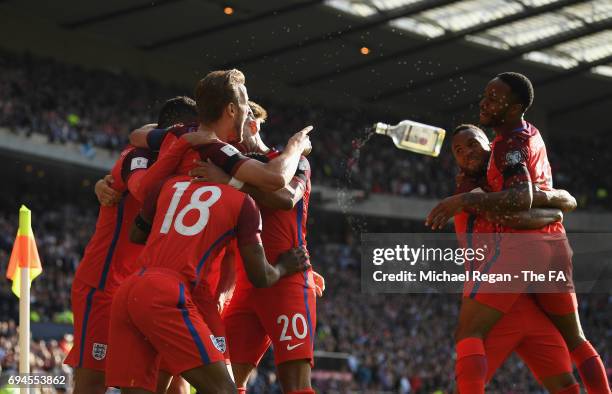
<point x="25" y="226"/>
<point x="24" y="325"/>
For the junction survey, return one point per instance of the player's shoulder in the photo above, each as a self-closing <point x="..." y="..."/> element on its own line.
<point x="182" y="128"/>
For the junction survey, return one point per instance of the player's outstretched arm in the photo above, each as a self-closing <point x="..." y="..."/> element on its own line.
<point x="527" y="220"/>
<point x="277" y="173"/>
<point x="556" y="198"/>
<point x="262" y="274"/>
<point x="284" y="199"/>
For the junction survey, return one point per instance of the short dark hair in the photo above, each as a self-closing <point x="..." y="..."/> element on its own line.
<point x="180" y="109"/>
<point x="259" y="112"/>
<point x="467" y="126"/>
<point x="521" y="87"/>
<point x="215" y="91"/>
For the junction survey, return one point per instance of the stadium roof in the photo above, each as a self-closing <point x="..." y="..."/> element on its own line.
<point x="426" y="55"/>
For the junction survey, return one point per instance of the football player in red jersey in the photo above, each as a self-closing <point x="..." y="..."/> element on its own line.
<point x="109" y="256"/>
<point x="153" y="314"/>
<point x="525" y="329"/>
<point x="518" y="162"/>
<point x="193" y="223"/>
<point x="285" y="314"/>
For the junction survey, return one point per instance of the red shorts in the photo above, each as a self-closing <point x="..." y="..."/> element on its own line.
<point x="91" y="309"/>
<point x="207" y="307"/>
<point x="539" y="257"/>
<point x="284" y="315"/>
<point x="153" y="316"/>
<point x="529" y="332"/>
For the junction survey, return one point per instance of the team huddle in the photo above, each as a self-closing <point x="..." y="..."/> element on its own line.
<point x="199" y="263"/>
<point x="199" y="255"/>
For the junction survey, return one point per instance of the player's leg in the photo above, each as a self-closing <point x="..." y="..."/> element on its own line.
<point x="91" y="309"/>
<point x="544" y="351"/>
<point x="133" y="362"/>
<point x="176" y="329"/>
<point x="211" y="378"/>
<point x="246" y="338"/>
<point x="134" y="391"/>
<point x="503" y="339"/>
<point x="164" y="379"/>
<point x="475" y="321"/>
<point x="288" y="313"/>
<point x="88" y="381"/>
<point x="562" y="309"/>
<point x="588" y="362"/>
<point x="295" y="377"/>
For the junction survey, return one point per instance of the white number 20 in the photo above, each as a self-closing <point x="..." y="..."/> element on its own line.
<point x="203" y="208"/>
<point x="284" y="319"/>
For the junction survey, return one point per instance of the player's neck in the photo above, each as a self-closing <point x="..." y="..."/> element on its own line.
<point x="507" y="127"/>
<point x="209" y="130"/>
<point x="256" y="145"/>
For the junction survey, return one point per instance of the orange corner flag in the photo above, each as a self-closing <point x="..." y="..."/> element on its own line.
<point x="25" y="253"/>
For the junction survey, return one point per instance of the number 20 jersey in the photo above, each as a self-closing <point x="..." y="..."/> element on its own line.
<point x="193" y="222"/>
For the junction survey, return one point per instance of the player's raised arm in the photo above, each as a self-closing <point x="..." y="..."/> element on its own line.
<point x="284" y="199"/>
<point x="258" y="270"/>
<point x="277" y="173"/>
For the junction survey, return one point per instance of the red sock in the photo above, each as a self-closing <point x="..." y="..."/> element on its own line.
<point x="591" y="369"/>
<point x="471" y="366"/>
<point x="241" y="390"/>
<point x="573" y="389"/>
<point x="302" y="391"/>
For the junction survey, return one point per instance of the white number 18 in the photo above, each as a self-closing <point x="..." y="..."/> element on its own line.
<point x="203" y="208"/>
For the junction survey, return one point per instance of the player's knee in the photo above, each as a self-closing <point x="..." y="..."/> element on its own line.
<point x="295" y="375"/>
<point x="558" y="383"/>
<point x="89" y="381"/>
<point x="463" y="332"/>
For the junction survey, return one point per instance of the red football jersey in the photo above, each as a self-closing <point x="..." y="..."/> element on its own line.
<point x="193" y="222"/>
<point x="110" y="255"/>
<point x="284" y="230"/>
<point x="520" y="155"/>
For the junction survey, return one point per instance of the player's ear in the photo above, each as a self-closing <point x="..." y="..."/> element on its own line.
<point x="253" y="127"/>
<point x="231" y="109"/>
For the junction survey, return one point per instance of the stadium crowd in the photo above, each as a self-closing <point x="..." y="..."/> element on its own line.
<point x="396" y="343"/>
<point x="95" y="108"/>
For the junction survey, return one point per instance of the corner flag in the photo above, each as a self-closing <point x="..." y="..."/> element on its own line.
<point x="25" y="253"/>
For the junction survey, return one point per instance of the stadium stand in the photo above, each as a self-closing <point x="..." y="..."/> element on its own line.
<point x="97" y="108"/>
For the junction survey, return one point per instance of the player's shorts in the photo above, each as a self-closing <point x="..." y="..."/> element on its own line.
<point x="283" y="315"/>
<point x="208" y="309"/>
<point x="153" y="316"/>
<point x="91" y="310"/>
<point x="538" y="256"/>
<point x="529" y="332"/>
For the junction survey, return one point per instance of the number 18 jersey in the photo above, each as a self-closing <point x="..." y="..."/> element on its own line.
<point x="193" y="222"/>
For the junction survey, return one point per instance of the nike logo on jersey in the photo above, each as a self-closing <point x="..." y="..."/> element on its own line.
<point x="291" y="347"/>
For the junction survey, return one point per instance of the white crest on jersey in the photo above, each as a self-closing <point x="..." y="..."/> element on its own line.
<point x="229" y="150"/>
<point x="513" y="158"/>
<point x="139" y="162"/>
<point x="218" y="343"/>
